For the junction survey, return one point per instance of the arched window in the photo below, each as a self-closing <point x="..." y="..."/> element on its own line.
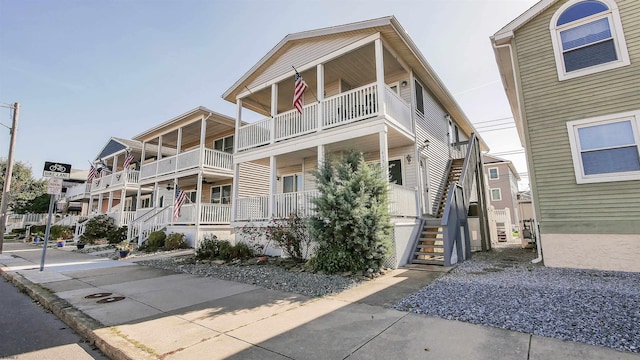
<point x="587" y="37"/>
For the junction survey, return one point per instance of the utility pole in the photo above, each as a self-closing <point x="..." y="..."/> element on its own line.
<point x="7" y="181"/>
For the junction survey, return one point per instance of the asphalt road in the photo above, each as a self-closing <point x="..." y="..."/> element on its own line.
<point x="27" y="331"/>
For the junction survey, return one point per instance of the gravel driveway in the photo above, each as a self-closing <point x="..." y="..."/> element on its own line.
<point x="501" y="288"/>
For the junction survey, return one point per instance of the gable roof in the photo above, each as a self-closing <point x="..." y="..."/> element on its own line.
<point x="507" y="31"/>
<point x="393" y="33"/>
<point x="117" y="145"/>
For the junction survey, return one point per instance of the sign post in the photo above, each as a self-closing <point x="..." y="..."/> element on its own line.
<point x="56" y="172"/>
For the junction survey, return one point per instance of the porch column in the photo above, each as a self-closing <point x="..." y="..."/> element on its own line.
<point x="100" y="200"/>
<point x="155" y="196"/>
<point x="198" y="211"/>
<point x="412" y="113"/>
<point x="384" y="153"/>
<point x="115" y="165"/>
<point x="273" y="172"/>
<point x="234" y="187"/>
<point x="380" y="75"/>
<point x="90" y="208"/>
<point x="110" y="202"/>
<point x="143" y="154"/>
<point x="159" y="149"/>
<point x="236" y="140"/>
<point x="320" y="156"/>
<point x="203" y="139"/>
<point x="274" y="111"/>
<point x="123" y="194"/>
<point x="138" y="202"/>
<point x="179" y="141"/>
<point x="320" y="92"/>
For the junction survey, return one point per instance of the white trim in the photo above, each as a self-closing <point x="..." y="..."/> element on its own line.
<point x="499" y="194"/>
<point x="617" y="34"/>
<point x="572" y="129"/>
<point x="497" y="173"/>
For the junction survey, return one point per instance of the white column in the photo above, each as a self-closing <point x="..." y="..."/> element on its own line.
<point x="179" y="141"/>
<point x="100" y="199"/>
<point x="203" y="139"/>
<point x="198" y="210"/>
<point x="384" y="153"/>
<point x="110" y="202"/>
<point x="274" y="110"/>
<point x="273" y="172"/>
<point x="321" y="156"/>
<point x="138" y="197"/>
<point x="380" y="75"/>
<point x="90" y="209"/>
<point x="115" y="165"/>
<point x="123" y="194"/>
<point x="234" y="187"/>
<point x="320" y="79"/>
<point x="159" y="148"/>
<point x="416" y="144"/>
<point x="236" y="139"/>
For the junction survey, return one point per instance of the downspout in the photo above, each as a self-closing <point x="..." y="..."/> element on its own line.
<point x="517" y="89"/>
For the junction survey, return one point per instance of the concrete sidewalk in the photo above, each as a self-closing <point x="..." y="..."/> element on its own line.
<point x="135" y="312"/>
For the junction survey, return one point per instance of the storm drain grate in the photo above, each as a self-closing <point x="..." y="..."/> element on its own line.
<point x="110" y="299"/>
<point x="97" y="295"/>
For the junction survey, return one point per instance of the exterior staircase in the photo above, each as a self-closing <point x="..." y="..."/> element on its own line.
<point x="429" y="248"/>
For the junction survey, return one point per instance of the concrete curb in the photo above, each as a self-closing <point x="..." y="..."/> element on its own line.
<point x="113" y="347"/>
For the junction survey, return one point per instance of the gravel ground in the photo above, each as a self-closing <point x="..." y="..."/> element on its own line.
<point x="501" y="288"/>
<point x="266" y="275"/>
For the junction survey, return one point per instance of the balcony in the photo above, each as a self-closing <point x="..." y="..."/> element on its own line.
<point x="339" y="110"/>
<point x="209" y="159"/>
<point x="120" y="178"/>
<point x="402" y="203"/>
<point x="78" y="192"/>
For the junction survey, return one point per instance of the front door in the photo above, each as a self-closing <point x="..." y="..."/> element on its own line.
<point x="424" y="181"/>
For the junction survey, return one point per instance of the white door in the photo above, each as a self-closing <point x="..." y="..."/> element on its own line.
<point x="424" y="181"/>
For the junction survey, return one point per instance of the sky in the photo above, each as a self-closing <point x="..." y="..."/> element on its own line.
<point x="86" y="70"/>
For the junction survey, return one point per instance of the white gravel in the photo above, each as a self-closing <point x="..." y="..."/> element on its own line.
<point x="501" y="288"/>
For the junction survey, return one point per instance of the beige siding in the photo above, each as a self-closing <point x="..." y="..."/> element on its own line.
<point x="564" y="205"/>
<point x="253" y="180"/>
<point x="300" y="53"/>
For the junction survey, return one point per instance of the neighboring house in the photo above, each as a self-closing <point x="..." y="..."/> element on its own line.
<point x="503" y="194"/>
<point x="571" y="71"/>
<point x="190" y="153"/>
<point x="369" y="88"/>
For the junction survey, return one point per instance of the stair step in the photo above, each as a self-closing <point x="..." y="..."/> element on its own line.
<point x="430" y="246"/>
<point x="428" y="262"/>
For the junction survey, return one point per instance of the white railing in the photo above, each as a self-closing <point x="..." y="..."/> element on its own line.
<point x="141" y="215"/>
<point x="252" y="208"/>
<point x="295" y="202"/>
<point x="458" y="150"/>
<point x="397" y="108"/>
<point x="187" y="160"/>
<point x="255" y="134"/>
<point x="127" y="218"/>
<point x="78" y="191"/>
<point x="71" y="220"/>
<point x="403" y="201"/>
<point x="155" y="222"/>
<point x="350" y="106"/>
<point x="215" y="214"/>
<point x="119" y="178"/>
<point x="292" y="123"/>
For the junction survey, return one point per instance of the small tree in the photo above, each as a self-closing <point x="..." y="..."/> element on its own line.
<point x="352" y="227"/>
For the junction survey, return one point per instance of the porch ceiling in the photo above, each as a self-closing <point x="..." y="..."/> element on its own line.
<point x="354" y="69"/>
<point x="191" y="134"/>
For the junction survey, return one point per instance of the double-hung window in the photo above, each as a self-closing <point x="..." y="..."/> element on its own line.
<point x="587" y="37"/>
<point x="221" y="194"/>
<point x="493" y="174"/>
<point x="225" y="144"/>
<point x="606" y="148"/>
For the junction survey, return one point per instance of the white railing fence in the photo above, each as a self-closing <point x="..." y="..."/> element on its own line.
<point x="350" y="106"/>
<point x="218" y="159"/>
<point x="215" y="213"/>
<point x="295" y="203"/>
<point x="403" y="201"/>
<point x="252" y="208"/>
<point x="397" y="108"/>
<point x="292" y="123"/>
<point x="254" y="134"/>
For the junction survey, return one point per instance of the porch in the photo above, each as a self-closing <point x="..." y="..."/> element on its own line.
<point x="198" y="158"/>
<point x="117" y="179"/>
<point x="78" y="192"/>
<point x="334" y="111"/>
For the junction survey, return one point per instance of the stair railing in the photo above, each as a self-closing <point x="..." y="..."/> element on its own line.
<point x="456" y="242"/>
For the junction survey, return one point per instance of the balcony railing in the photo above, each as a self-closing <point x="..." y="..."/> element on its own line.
<point x="187" y="160"/>
<point x="344" y="108"/>
<point x="209" y="214"/>
<point x="121" y="178"/>
<point x="78" y="191"/>
<point x="402" y="202"/>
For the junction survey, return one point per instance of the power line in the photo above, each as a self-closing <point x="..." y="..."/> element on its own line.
<point x="488" y="121"/>
<point x="504" y="128"/>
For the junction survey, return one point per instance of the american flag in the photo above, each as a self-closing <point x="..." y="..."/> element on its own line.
<point x="92" y="174"/>
<point x="102" y="167"/>
<point x="180" y="199"/>
<point x="127" y="160"/>
<point x="300" y="87"/>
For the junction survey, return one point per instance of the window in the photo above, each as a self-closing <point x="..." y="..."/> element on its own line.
<point x="191" y="195"/>
<point x="587" y="37"/>
<point x="419" y="98"/>
<point x="606" y="148"/>
<point x="291" y="183"/>
<point x="395" y="171"/>
<point x="225" y="144"/>
<point x="221" y="194"/>
<point x="493" y="173"/>
<point x="496" y="195"/>
<point x="145" y="201"/>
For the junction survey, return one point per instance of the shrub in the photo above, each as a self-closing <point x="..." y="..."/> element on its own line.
<point x="240" y="251"/>
<point x="156" y="240"/>
<point x="352" y="226"/>
<point x="117" y="235"/>
<point x="37" y="229"/>
<point x="212" y="248"/>
<point x="60" y="232"/>
<point x="291" y="235"/>
<point x="175" y="241"/>
<point x="98" y="227"/>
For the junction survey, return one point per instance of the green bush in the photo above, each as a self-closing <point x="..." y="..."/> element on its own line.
<point x="352" y="227"/>
<point x="175" y="241"/>
<point x="98" y="227"/>
<point x="117" y="235"/>
<point x="60" y="232"/>
<point x="156" y="240"/>
<point x="19" y="231"/>
<point x="211" y="248"/>
<point x="40" y="229"/>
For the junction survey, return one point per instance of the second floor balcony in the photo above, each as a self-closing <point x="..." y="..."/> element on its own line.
<point x="191" y="159"/>
<point x="338" y="110"/>
<point x="116" y="180"/>
<point x="78" y="192"/>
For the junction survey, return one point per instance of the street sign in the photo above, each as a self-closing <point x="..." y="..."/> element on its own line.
<point x="56" y="170"/>
<point x="55" y="186"/>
